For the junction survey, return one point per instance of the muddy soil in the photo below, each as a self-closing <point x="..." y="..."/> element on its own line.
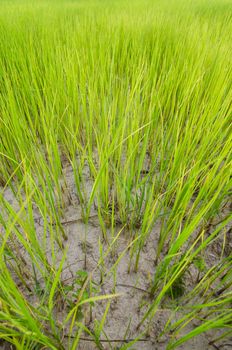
<point x="113" y="276"/>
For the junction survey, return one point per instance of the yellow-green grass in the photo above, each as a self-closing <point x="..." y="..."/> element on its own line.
<point x="140" y="93"/>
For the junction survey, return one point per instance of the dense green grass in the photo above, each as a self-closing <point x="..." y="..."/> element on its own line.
<point x="140" y="92"/>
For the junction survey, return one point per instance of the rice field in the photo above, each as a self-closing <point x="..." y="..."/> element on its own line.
<point x="115" y="174"/>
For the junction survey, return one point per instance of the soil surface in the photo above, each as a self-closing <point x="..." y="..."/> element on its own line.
<point x="113" y="276"/>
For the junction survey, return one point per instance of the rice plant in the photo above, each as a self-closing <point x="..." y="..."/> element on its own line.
<point x="115" y="174"/>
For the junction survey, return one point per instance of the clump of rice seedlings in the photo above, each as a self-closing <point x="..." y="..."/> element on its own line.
<point x="115" y="172"/>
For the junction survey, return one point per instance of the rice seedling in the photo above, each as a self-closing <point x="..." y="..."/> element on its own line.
<point x="115" y="174"/>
